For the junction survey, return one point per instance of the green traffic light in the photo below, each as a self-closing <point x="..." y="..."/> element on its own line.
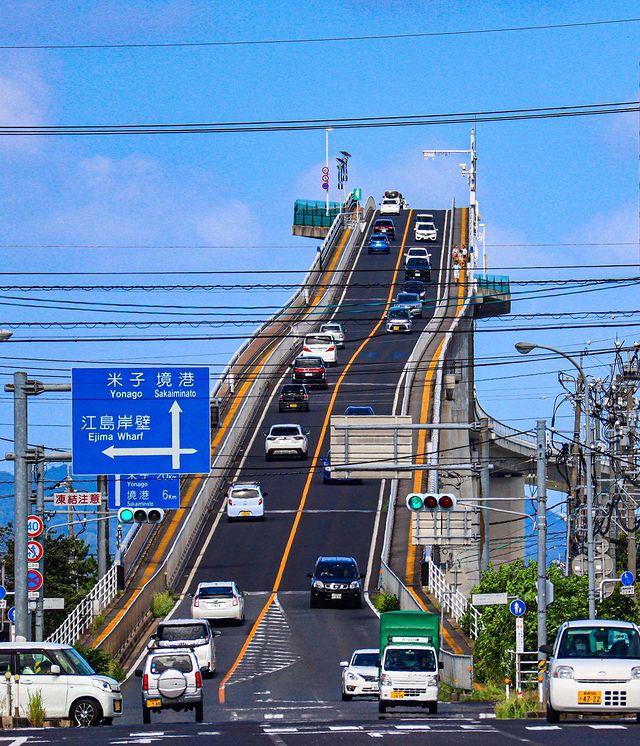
<point x="126" y="515"/>
<point x="415" y="502"/>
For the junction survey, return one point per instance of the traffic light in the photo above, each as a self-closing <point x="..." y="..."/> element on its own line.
<point x="140" y="515"/>
<point x="422" y="502"/>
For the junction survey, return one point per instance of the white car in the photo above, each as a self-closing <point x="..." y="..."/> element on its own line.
<point x="245" y="501"/>
<point x="218" y="600"/>
<point x="171" y="680"/>
<point x="360" y="674"/>
<point x="194" y="634"/>
<point x="321" y="345"/>
<point x="336" y="330"/>
<point x="418" y="251"/>
<point x="390" y="206"/>
<point x="399" y="320"/>
<point x="425" y="229"/>
<point x="594" y="669"/>
<point x="289" y="439"/>
<point x="69" y="687"/>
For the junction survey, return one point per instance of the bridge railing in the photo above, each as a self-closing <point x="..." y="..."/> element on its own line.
<point x="455" y="603"/>
<point x="506" y="432"/>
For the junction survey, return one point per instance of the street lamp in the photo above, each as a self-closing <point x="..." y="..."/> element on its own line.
<point x="5" y="334"/>
<point x="524" y="348"/>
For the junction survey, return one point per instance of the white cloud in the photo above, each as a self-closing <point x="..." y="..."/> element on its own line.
<point x="229" y="224"/>
<point x="24" y="99"/>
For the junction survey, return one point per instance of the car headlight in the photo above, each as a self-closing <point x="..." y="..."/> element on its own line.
<point x="351" y="676"/>
<point x="432" y="681"/>
<point x="385" y="680"/>
<point x="635" y="672"/>
<point x="563" y="672"/>
<point x="354" y="585"/>
<point x="318" y="584"/>
<point x="104" y="686"/>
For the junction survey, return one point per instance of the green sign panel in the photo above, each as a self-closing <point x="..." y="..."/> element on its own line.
<point x="357" y="194"/>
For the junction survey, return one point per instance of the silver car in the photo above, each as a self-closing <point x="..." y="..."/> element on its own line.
<point x="410" y="301"/>
<point x="360" y="674"/>
<point x="336" y="330"/>
<point x="398" y="320"/>
<point x="192" y="634"/>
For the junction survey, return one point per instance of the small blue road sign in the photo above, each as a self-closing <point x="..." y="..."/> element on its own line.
<point x="141" y="420"/>
<point x="627" y="578"/>
<point x="3" y="592"/>
<point x="517" y="607"/>
<point x="34" y="580"/>
<point x="11" y="615"/>
<point x="144" y="491"/>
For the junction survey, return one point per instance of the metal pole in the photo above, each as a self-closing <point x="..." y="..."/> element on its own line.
<point x="541" y="484"/>
<point x="473" y="223"/>
<point x="40" y="471"/>
<point x="103" y="512"/>
<point x="21" y="504"/>
<point x="591" y="594"/>
<point x="326" y="163"/>
<point x="484" y="489"/>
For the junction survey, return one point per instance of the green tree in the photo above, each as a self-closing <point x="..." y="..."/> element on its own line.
<point x="70" y="572"/>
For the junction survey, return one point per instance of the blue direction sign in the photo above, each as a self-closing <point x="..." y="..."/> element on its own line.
<point x="150" y="420"/>
<point x="144" y="491"/>
<point x="3" y="592"/>
<point x="11" y="615"/>
<point x="627" y="578"/>
<point x="517" y="607"/>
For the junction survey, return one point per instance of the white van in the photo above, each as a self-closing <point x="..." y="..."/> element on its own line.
<point x="195" y="634"/>
<point x="69" y="687"/>
<point x="322" y="345"/>
<point x="594" y="669"/>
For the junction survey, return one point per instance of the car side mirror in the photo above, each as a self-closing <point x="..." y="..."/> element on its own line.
<point x="138" y="673"/>
<point x="191" y="595"/>
<point x="362" y="576"/>
<point x="309" y="574"/>
<point x="440" y="665"/>
<point x="546" y="649"/>
<point x="266" y="494"/>
<point x="307" y="432"/>
<point x="344" y="664"/>
<point x="55" y="670"/>
<point x="217" y="633"/>
<point x="204" y="670"/>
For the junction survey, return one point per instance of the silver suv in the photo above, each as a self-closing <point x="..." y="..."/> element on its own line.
<point x="171" y="680"/>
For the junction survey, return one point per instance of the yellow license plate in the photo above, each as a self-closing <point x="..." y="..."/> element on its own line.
<point x="589" y="698"/>
<point x="154" y="703"/>
<point x="293" y="406"/>
<point x="117" y="705"/>
<point x="245" y="512"/>
<point x="397" y="695"/>
<point x="396" y="328"/>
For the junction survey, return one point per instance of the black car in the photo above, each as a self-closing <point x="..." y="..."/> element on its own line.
<point x="336" y="579"/>
<point x="417" y="268"/>
<point x="386" y="226"/>
<point x="293" y="396"/>
<point x="415" y="286"/>
<point x="309" y="370"/>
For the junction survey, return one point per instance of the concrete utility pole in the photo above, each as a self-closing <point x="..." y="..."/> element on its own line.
<point x="541" y="485"/>
<point x="20" y="504"/>
<point x="103" y="528"/>
<point x="485" y="482"/>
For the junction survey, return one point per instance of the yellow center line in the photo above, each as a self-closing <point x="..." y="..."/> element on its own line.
<point x="307" y="485"/>
<point x="421" y="450"/>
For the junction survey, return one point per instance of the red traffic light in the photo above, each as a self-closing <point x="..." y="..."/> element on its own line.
<point x="430" y="502"/>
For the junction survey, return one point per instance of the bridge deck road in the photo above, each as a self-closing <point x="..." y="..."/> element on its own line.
<point x="292" y="660"/>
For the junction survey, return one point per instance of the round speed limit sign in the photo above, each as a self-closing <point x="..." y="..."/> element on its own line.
<point x="35" y="526"/>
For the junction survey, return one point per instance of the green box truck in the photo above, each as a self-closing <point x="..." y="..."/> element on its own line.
<point x="409" y="660"/>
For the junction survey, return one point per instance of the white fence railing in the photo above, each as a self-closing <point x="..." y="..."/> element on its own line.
<point x="455" y="603"/>
<point x="79" y="620"/>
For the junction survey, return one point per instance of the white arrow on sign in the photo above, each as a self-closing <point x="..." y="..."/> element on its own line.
<point x="174" y="451"/>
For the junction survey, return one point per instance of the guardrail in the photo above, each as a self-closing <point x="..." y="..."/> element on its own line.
<point x="457" y="670"/>
<point x="455" y="603"/>
<point x="79" y="620"/>
<point x="506" y="432"/>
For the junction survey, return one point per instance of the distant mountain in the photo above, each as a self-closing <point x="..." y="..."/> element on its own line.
<point x="556" y="539"/>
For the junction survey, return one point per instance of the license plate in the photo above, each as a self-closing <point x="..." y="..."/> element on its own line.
<point x="117" y="705"/>
<point x="154" y="703"/>
<point x="589" y="698"/>
<point x="336" y="595"/>
<point x="397" y="695"/>
<point x="308" y="374"/>
<point x="245" y="512"/>
<point x="293" y="406"/>
<point x="396" y="328"/>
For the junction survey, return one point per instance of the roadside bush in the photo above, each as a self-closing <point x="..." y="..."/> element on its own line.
<point x="516" y="708"/>
<point x="162" y="603"/>
<point x="385" y="602"/>
<point x="102" y="662"/>
<point x="35" y="709"/>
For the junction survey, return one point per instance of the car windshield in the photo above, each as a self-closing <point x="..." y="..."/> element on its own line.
<point x="389" y="201"/>
<point x="71" y="661"/>
<point x="215" y="591"/>
<point x="378" y="237"/>
<point x="330" y="328"/>
<point x="407" y="298"/>
<point x="292" y="390"/>
<point x="414" y="288"/>
<point x="359" y="410"/>
<point x="162" y="663"/>
<point x="245" y="493"/>
<point x="336" y="571"/>
<point x="409" y="659"/>
<point x="417" y="262"/>
<point x="284" y="431"/>
<point x="180" y="632"/>
<point x="398" y="313"/>
<point x="365" y="659"/>
<point x="599" y="642"/>
<point x="309" y="362"/>
<point x="323" y="340"/>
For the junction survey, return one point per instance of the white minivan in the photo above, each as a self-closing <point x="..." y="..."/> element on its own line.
<point x="69" y="687"/>
<point x="195" y="634"/>
<point x="594" y="669"/>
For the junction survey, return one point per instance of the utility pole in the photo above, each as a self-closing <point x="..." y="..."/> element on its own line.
<point x="573" y="501"/>
<point x="103" y="528"/>
<point x="541" y="486"/>
<point x="40" y="473"/>
<point x="631" y="430"/>
<point x="485" y="481"/>
<point x="20" y="505"/>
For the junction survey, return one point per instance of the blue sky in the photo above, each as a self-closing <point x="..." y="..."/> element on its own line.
<point x="552" y="182"/>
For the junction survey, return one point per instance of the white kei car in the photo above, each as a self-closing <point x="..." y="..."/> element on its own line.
<point x="287" y="440"/>
<point x="245" y="501"/>
<point x="218" y="600"/>
<point x="321" y="345"/>
<point x="360" y="674"/>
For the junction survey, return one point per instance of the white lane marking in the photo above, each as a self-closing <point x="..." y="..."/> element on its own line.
<point x="273" y="715"/>
<point x="413" y="726"/>
<point x="608" y="727"/>
<point x="487" y="716"/>
<point x="279" y="730"/>
<point x="542" y="727"/>
<point x="345" y="727"/>
<point x="146" y="735"/>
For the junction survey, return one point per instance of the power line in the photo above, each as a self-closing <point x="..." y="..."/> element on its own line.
<point x="326" y="39"/>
